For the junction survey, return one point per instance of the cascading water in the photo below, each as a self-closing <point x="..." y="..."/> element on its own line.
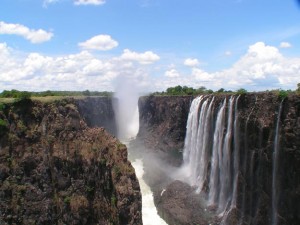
<point x="225" y="166"/>
<point x="208" y="153"/>
<point x="275" y="170"/>
<point x="214" y="184"/>
<point x="236" y="154"/>
<point x="197" y="141"/>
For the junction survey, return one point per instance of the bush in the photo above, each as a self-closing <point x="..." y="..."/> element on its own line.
<point x="282" y="94"/>
<point x="241" y="91"/>
<point x="3" y="127"/>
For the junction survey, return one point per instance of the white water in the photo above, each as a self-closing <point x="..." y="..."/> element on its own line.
<point x="275" y="170"/>
<point x="216" y="144"/>
<point x="149" y="212"/>
<point x="215" y="161"/>
<point x="127" y="117"/>
<point x="236" y="154"/>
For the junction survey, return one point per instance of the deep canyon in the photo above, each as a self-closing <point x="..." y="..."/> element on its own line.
<point x="215" y="159"/>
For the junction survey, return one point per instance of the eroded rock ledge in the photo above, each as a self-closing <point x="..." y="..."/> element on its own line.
<point x="54" y="169"/>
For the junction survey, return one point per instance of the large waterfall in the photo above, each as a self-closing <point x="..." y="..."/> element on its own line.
<point x="215" y="163"/>
<point x="210" y="141"/>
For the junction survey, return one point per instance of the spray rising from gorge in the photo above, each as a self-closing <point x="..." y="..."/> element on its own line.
<point x="127" y="119"/>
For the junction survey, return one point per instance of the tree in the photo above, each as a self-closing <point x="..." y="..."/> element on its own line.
<point x="221" y="90"/>
<point x="298" y="88"/>
<point x="241" y="91"/>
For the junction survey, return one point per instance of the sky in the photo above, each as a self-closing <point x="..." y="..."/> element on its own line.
<point x="149" y="45"/>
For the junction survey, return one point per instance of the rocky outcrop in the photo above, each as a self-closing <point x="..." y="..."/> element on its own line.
<point x="54" y="169"/>
<point x="163" y="124"/>
<point x="98" y="112"/>
<point x="258" y="115"/>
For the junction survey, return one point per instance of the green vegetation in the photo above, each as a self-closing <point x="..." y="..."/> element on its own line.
<point x="241" y="91"/>
<point x="25" y="94"/>
<point x="3" y="127"/>
<point x="181" y="91"/>
<point x="282" y="94"/>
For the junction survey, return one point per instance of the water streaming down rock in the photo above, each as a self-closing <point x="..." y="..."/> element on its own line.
<point x="275" y="170"/>
<point x="252" y="119"/>
<point x="236" y="154"/>
<point x="197" y="141"/>
<point x="204" y="145"/>
<point x="214" y="184"/>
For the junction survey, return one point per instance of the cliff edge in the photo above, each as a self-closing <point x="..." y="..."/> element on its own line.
<point x="54" y="169"/>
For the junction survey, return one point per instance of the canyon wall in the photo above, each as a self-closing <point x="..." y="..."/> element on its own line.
<point x="163" y="122"/>
<point x="58" y="166"/>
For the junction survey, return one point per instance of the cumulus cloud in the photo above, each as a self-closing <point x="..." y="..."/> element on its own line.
<point x="79" y="71"/>
<point x="172" y="73"/>
<point x="147" y="57"/>
<point x="100" y="42"/>
<point x="34" y="36"/>
<point x="285" y="45"/>
<point x="89" y="2"/>
<point x="261" y="67"/>
<point x="191" y="62"/>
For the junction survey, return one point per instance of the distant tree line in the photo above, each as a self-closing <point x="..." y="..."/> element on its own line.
<point x="25" y="94"/>
<point x="184" y="90"/>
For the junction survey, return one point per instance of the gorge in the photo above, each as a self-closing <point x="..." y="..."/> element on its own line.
<point x="211" y="159"/>
<point x="240" y="154"/>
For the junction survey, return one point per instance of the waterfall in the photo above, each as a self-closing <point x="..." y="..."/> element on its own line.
<point x="211" y="150"/>
<point x="236" y="154"/>
<point x="225" y="159"/>
<point x="215" y="161"/>
<point x="275" y="170"/>
<point x="197" y="141"/>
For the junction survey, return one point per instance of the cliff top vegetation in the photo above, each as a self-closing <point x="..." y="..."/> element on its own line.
<point x="184" y="90"/>
<point x="46" y="96"/>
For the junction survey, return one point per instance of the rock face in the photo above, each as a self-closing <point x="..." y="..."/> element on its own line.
<point x="163" y="124"/>
<point x="98" y="112"/>
<point x="54" y="169"/>
<point x="258" y="115"/>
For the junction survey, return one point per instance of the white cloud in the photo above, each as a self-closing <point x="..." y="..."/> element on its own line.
<point x="34" y="36"/>
<point x="147" y="57"/>
<point x="261" y="67"/>
<point x="228" y="53"/>
<point x="201" y="75"/>
<point x="89" y="2"/>
<point x="172" y="73"/>
<point x="191" y="62"/>
<point x="285" y="45"/>
<point x="100" y="42"/>
<point x="79" y="71"/>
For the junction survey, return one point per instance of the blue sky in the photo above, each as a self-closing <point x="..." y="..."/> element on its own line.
<point x="152" y="44"/>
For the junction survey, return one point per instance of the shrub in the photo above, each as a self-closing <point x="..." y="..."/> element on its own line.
<point x="241" y="91"/>
<point x="282" y="94"/>
<point x="3" y="127"/>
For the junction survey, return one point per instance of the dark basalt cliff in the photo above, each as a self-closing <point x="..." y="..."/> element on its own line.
<point x="98" y="112"/>
<point x="55" y="169"/>
<point x="163" y="123"/>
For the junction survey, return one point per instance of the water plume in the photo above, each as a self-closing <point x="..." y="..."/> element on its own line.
<point x="126" y="109"/>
